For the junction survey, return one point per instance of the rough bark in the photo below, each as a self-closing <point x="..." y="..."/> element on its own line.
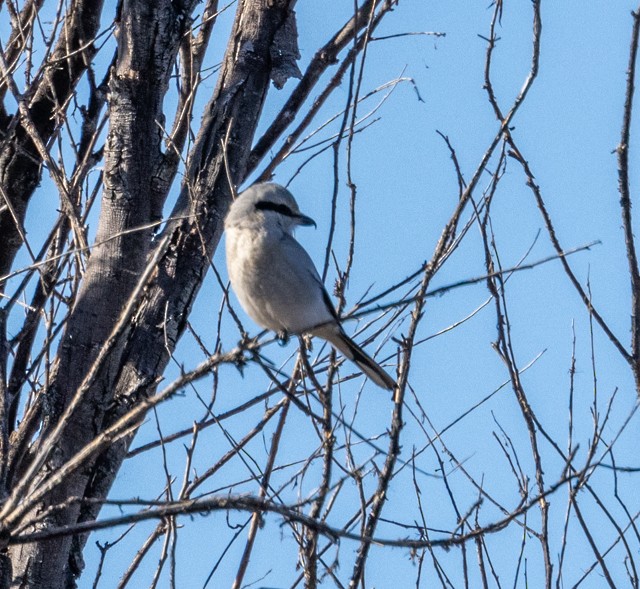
<point x="231" y="117"/>
<point x="132" y="156"/>
<point x="149" y="36"/>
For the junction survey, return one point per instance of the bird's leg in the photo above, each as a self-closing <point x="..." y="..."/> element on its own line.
<point x="306" y="341"/>
<point x="283" y="337"/>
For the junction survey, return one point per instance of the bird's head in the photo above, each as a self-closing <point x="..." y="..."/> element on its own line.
<point x="266" y="205"/>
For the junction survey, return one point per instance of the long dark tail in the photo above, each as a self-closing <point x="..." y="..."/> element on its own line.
<point x="334" y="334"/>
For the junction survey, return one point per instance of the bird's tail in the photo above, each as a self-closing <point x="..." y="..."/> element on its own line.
<point x="334" y="334"/>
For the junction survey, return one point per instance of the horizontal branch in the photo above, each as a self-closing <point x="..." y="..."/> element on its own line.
<point x="251" y="503"/>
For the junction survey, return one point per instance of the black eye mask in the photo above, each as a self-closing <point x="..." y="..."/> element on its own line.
<point x="278" y="208"/>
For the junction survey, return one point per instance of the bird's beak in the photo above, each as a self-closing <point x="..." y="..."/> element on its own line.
<point x="304" y="220"/>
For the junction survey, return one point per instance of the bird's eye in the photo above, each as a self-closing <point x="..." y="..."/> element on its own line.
<point x="266" y="205"/>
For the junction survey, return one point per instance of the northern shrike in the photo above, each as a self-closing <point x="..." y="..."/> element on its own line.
<point x="274" y="278"/>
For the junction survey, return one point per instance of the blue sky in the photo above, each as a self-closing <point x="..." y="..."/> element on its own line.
<point x="567" y="130"/>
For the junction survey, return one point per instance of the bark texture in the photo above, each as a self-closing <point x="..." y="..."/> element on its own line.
<point x="104" y="367"/>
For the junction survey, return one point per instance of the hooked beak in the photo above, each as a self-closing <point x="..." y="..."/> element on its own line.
<point x="305" y="221"/>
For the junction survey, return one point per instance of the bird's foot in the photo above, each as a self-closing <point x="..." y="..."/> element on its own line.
<point x="305" y="342"/>
<point x="283" y="337"/>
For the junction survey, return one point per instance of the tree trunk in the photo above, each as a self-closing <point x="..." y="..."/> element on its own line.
<point x="140" y="353"/>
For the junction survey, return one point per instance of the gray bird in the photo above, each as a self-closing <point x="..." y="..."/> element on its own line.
<point x="275" y="279"/>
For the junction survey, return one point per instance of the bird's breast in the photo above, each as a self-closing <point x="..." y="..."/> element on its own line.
<point x="249" y="262"/>
<point x="275" y="281"/>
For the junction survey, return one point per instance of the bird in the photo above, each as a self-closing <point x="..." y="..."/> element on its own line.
<point x="276" y="280"/>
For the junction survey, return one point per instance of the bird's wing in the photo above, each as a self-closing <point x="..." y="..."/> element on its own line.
<point x="327" y="324"/>
<point x="307" y="302"/>
<point x="325" y="295"/>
